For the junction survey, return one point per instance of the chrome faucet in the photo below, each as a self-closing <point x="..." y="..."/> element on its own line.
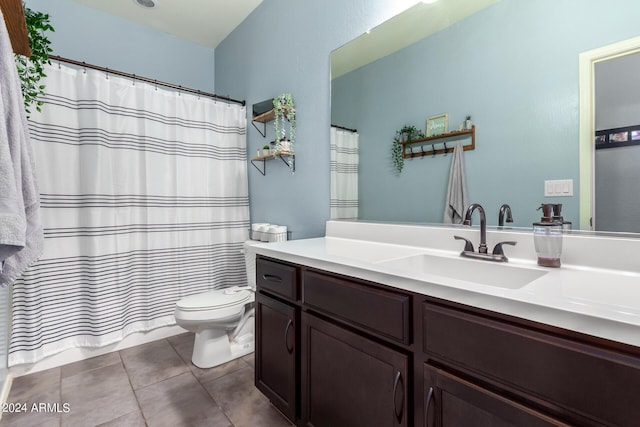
<point x="504" y="209"/>
<point x="497" y="254"/>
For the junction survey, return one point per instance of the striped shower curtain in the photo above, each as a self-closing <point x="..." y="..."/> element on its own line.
<point x="144" y="201"/>
<point x="344" y="174"/>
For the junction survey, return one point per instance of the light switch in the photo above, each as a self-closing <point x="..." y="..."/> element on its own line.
<point x="558" y="188"/>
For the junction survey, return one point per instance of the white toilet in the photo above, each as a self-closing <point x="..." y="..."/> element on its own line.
<point x="222" y="319"/>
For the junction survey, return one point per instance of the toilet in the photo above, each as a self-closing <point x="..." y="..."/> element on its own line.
<point x="222" y="319"/>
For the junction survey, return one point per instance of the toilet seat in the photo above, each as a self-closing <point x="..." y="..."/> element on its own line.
<point x="216" y="299"/>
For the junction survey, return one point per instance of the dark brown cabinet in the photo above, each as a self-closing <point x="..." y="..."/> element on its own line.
<point x="277" y="362"/>
<point x="335" y="351"/>
<point x="349" y="380"/>
<point x="453" y="402"/>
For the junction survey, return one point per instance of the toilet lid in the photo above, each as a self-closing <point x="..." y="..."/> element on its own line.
<point x="213" y="299"/>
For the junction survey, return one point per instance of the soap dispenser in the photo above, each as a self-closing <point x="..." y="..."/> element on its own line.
<point x="547" y="237"/>
<point x="557" y="216"/>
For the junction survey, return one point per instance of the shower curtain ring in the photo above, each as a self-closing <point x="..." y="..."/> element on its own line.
<point x="106" y="73"/>
<point x="433" y="150"/>
<point x="133" y="80"/>
<point x="84" y="68"/>
<point x="445" y="149"/>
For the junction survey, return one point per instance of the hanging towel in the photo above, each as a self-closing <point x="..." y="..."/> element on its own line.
<point x="21" y="236"/>
<point x="457" y="196"/>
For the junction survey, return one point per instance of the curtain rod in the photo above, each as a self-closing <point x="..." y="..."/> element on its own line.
<point x="145" y="79"/>
<point x="344" y="128"/>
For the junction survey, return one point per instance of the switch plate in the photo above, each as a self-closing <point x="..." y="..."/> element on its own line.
<point x="558" y="188"/>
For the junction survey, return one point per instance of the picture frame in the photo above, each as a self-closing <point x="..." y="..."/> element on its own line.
<point x="437" y="125"/>
<point x="617" y="137"/>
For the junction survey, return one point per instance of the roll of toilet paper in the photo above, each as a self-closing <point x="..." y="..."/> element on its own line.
<point x="277" y="233"/>
<point x="256" y="233"/>
<point x="263" y="231"/>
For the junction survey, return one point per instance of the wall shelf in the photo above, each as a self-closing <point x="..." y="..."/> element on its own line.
<point x="287" y="157"/>
<point x="439" y="139"/>
<point x="264" y="118"/>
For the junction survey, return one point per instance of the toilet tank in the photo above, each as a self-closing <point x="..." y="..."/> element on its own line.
<point x="250" y="261"/>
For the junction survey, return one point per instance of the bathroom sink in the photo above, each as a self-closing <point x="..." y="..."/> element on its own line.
<point x="476" y="271"/>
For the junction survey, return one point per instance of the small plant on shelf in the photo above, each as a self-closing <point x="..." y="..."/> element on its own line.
<point x="407" y="134"/>
<point x="284" y="112"/>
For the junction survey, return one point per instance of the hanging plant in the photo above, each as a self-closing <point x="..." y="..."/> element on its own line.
<point x="406" y="134"/>
<point x="31" y="69"/>
<point x="284" y="112"/>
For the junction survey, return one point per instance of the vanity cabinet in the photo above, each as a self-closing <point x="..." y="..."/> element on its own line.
<point x="452" y="401"/>
<point x="338" y="351"/>
<point x="351" y="373"/>
<point x="277" y="361"/>
<point x="516" y="371"/>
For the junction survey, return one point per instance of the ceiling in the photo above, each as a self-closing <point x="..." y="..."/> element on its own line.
<point x="204" y="22"/>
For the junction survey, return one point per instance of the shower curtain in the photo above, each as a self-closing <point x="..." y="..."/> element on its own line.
<point x="344" y="174"/>
<point x="144" y="200"/>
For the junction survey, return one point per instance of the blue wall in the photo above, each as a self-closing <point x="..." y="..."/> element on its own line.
<point x="526" y="134"/>
<point x="514" y="68"/>
<point x="284" y="46"/>
<point x="95" y="37"/>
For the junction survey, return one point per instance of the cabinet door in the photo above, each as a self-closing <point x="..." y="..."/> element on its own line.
<point x="451" y="402"/>
<point x="276" y="353"/>
<point x="351" y="381"/>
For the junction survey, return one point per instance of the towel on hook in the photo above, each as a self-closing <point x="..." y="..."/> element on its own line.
<point x="21" y="236"/>
<point x="457" y="196"/>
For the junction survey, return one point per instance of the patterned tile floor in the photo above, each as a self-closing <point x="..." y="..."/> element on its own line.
<point x="153" y="384"/>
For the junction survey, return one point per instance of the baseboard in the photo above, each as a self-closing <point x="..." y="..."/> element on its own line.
<point x="77" y="354"/>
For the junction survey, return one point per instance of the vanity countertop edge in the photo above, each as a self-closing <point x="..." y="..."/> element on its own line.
<point x="546" y="300"/>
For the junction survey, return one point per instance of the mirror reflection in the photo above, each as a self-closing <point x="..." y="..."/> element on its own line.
<point x="512" y="65"/>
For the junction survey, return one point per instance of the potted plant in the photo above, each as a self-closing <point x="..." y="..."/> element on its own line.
<point x="31" y="69"/>
<point x="407" y="134"/>
<point x="284" y="112"/>
<point x="265" y="150"/>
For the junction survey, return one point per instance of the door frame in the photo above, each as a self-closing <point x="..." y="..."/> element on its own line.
<point x="587" y="61"/>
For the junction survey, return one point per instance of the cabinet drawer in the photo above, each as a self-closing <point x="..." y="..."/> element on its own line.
<point x="377" y="310"/>
<point x="277" y="278"/>
<point x="590" y="381"/>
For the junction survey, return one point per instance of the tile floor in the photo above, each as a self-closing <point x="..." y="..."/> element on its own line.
<point x="153" y="384"/>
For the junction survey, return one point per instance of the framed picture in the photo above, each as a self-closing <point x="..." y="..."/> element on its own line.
<point x="437" y="125"/>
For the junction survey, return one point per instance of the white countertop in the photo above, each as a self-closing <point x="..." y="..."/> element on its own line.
<point x="591" y="299"/>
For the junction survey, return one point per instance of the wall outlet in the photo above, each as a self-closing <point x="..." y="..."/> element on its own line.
<point x="558" y="188"/>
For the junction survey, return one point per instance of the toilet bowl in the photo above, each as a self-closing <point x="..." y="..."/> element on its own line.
<point x="222" y="319"/>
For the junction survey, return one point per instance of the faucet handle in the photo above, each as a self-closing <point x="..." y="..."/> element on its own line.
<point x="468" y="246"/>
<point x="497" y="250"/>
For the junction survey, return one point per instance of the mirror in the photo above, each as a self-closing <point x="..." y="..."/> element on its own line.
<point x="512" y="65"/>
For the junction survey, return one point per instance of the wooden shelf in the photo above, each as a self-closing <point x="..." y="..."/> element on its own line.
<point x="265" y="118"/>
<point x="291" y="163"/>
<point x="16" y="26"/>
<point x="455" y="135"/>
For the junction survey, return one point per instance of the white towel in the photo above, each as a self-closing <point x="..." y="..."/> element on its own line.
<point x="21" y="236"/>
<point x="457" y="196"/>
